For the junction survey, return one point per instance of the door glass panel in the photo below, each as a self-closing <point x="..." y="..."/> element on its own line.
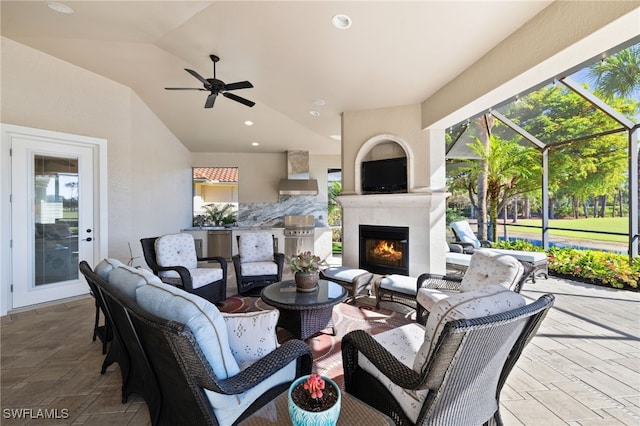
<point x="55" y="207"/>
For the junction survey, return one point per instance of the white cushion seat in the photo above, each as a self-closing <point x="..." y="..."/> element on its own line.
<point x="259" y="268"/>
<point x="199" y="276"/>
<point x="399" y="283"/>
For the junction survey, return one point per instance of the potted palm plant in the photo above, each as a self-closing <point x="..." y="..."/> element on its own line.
<point x="314" y="400"/>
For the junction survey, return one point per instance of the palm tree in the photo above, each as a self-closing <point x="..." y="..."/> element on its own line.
<point x="507" y="165"/>
<point x="617" y="75"/>
<point x="334" y="209"/>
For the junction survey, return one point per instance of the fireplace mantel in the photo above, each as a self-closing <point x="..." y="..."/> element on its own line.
<point x="424" y="199"/>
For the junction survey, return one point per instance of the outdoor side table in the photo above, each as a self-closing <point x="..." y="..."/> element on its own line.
<point x="352" y="412"/>
<point x="304" y="314"/>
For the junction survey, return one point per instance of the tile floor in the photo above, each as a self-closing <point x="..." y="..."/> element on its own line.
<point x="582" y="368"/>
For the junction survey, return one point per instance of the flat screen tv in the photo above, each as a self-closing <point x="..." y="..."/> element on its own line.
<point x="384" y="176"/>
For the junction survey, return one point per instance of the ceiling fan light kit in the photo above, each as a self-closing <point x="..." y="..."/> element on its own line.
<point x="216" y="87"/>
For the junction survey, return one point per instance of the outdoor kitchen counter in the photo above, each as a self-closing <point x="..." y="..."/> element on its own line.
<point x="322" y="244"/>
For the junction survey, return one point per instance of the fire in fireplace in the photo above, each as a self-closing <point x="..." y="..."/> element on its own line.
<point x="384" y="249"/>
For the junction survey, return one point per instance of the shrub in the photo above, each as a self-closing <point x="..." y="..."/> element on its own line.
<point x="598" y="267"/>
<point x="593" y="266"/>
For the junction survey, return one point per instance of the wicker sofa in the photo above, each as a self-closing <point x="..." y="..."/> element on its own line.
<point x="188" y="361"/>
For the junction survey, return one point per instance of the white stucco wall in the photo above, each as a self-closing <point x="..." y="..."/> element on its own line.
<point x="149" y="170"/>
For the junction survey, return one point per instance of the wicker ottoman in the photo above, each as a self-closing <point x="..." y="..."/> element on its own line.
<point x="356" y="281"/>
<point x="396" y="288"/>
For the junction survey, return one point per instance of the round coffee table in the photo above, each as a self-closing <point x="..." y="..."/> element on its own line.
<point x="304" y="314"/>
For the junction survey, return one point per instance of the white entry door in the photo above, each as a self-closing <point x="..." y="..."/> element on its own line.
<point x="52" y="217"/>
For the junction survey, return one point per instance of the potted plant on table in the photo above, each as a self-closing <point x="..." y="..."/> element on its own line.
<point x="314" y="400"/>
<point x="306" y="267"/>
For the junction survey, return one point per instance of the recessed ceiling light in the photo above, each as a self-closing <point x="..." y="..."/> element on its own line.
<point x="336" y="137"/>
<point x="59" y="7"/>
<point x="318" y="102"/>
<point x="255" y="143"/>
<point x="248" y="123"/>
<point x="314" y="113"/>
<point x="341" y="22"/>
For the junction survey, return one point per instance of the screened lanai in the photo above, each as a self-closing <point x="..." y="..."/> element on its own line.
<point x="568" y="148"/>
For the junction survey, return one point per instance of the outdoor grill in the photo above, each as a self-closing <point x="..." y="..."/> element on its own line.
<point x="299" y="234"/>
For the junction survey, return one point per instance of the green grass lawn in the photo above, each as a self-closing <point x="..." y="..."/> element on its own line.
<point x="606" y="224"/>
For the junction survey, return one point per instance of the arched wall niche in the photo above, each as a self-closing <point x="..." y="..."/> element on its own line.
<point x="381" y="147"/>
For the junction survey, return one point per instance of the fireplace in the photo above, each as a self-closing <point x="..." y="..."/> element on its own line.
<point x="384" y="249"/>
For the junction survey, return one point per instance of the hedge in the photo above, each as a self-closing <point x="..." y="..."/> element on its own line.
<point x="592" y="266"/>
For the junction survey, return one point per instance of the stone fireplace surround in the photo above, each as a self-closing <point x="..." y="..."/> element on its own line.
<point x="420" y="211"/>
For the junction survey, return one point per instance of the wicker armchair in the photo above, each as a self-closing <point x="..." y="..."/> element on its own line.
<point x="173" y="258"/>
<point x="257" y="263"/>
<point x="486" y="268"/>
<point x="460" y="380"/>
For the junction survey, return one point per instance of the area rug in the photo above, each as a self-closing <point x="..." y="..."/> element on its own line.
<point x="327" y="355"/>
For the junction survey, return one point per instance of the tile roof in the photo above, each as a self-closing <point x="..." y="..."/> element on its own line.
<point x="220" y="174"/>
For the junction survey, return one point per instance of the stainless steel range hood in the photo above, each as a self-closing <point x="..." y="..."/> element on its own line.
<point x="298" y="182"/>
<point x="298" y="187"/>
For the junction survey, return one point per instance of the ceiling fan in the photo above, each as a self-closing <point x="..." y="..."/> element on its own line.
<point x="215" y="87"/>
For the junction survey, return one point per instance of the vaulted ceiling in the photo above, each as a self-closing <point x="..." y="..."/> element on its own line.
<point x="394" y="53"/>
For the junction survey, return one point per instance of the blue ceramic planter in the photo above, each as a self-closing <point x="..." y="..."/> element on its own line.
<point x="301" y="417"/>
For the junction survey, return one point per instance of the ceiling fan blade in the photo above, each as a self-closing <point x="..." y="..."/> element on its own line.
<point x="183" y="88"/>
<point x="238" y="85"/>
<point x="211" y="99"/>
<point x="237" y="98"/>
<point x="199" y="77"/>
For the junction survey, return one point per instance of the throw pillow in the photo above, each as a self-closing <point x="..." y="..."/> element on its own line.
<point x="490" y="300"/>
<point x="200" y="315"/>
<point x="252" y="335"/>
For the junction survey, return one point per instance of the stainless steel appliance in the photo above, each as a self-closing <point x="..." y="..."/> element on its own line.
<point x="299" y="234"/>
<point x="219" y="243"/>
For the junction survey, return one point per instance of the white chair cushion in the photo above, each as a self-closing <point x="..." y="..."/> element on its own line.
<point x="400" y="283"/>
<point x="464" y="232"/>
<point x="204" y="276"/>
<point x="255" y="269"/>
<point x="228" y="408"/>
<point x="105" y="266"/>
<point x="403" y="343"/>
<point x="480" y="303"/>
<point x="252" y="335"/>
<point x="127" y="279"/>
<point x="534" y="257"/>
<point x="344" y="273"/>
<point x="175" y="250"/>
<point x="201" y="316"/>
<point x="488" y="267"/>
<point x="255" y="247"/>
<point x="428" y="297"/>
